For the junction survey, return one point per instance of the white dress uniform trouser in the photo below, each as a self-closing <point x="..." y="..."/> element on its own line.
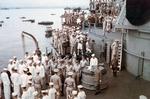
<point x="6" y="91"/>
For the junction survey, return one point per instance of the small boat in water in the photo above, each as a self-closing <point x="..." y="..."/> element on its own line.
<point x="23" y="17"/>
<point x="45" y="23"/>
<point x="0" y="25"/>
<point x="4" y="8"/>
<point x="7" y="17"/>
<point x="1" y="21"/>
<point x="30" y="20"/>
<point x="53" y="14"/>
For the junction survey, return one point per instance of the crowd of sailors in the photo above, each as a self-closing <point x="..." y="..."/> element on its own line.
<point x="71" y="40"/>
<point x="103" y="13"/>
<point x="38" y="76"/>
<point x="73" y="17"/>
<point x="42" y="76"/>
<point x="45" y="76"/>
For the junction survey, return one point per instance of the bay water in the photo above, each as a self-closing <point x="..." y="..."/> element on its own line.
<point x="10" y="33"/>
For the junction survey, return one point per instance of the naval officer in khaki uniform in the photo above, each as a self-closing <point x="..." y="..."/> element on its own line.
<point x="57" y="82"/>
<point x="98" y="78"/>
<point x="69" y="85"/>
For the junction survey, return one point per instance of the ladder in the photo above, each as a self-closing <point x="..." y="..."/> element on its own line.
<point x="120" y="47"/>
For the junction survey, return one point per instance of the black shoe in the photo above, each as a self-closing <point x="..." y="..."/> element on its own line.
<point x="97" y="93"/>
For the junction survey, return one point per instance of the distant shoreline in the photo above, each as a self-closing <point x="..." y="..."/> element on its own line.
<point x="11" y="8"/>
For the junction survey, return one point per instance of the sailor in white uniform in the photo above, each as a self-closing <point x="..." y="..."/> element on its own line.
<point x="72" y="43"/>
<point x="104" y="27"/>
<point x="21" y="66"/>
<point x="10" y="66"/>
<point x="44" y="58"/>
<point x="114" y="49"/>
<point x="14" y="96"/>
<point x="93" y="63"/>
<point x="6" y="84"/>
<point x="88" y="49"/>
<point x="142" y="97"/>
<point x="52" y="93"/>
<point x="24" y="78"/>
<point x="42" y="75"/>
<point x="16" y="80"/>
<point x="15" y="61"/>
<point x="45" y="94"/>
<point x="30" y="90"/>
<point x="74" y="94"/>
<point x="25" y="93"/>
<point x="60" y="49"/>
<point x="80" y="47"/>
<point x="81" y="93"/>
<point x="83" y="62"/>
<point x="35" y="94"/>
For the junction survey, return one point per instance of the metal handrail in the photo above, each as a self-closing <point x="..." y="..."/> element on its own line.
<point x="30" y="35"/>
<point x="134" y="54"/>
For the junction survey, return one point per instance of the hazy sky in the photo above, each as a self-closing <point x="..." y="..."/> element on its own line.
<point x="43" y="3"/>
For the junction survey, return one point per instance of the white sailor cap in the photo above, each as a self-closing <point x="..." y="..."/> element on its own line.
<point x="33" y="52"/>
<point x="14" y="94"/>
<point x="56" y="70"/>
<point x="14" y="57"/>
<point x="77" y="31"/>
<point x="44" y="91"/>
<point x="61" y="60"/>
<point x="25" y="69"/>
<point x="35" y="93"/>
<point x="142" y="97"/>
<point x="29" y="57"/>
<point x="10" y="60"/>
<point x="43" y="53"/>
<point x="5" y="69"/>
<point x="23" y="86"/>
<point x="80" y="86"/>
<point x="70" y="73"/>
<point x="116" y="40"/>
<point x="74" y="92"/>
<point x="78" y="28"/>
<point x="38" y="62"/>
<point x="93" y="55"/>
<point x="81" y="39"/>
<point x="15" y="68"/>
<point x="20" y="60"/>
<point x="29" y="82"/>
<point x="51" y="83"/>
<point x="29" y="77"/>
